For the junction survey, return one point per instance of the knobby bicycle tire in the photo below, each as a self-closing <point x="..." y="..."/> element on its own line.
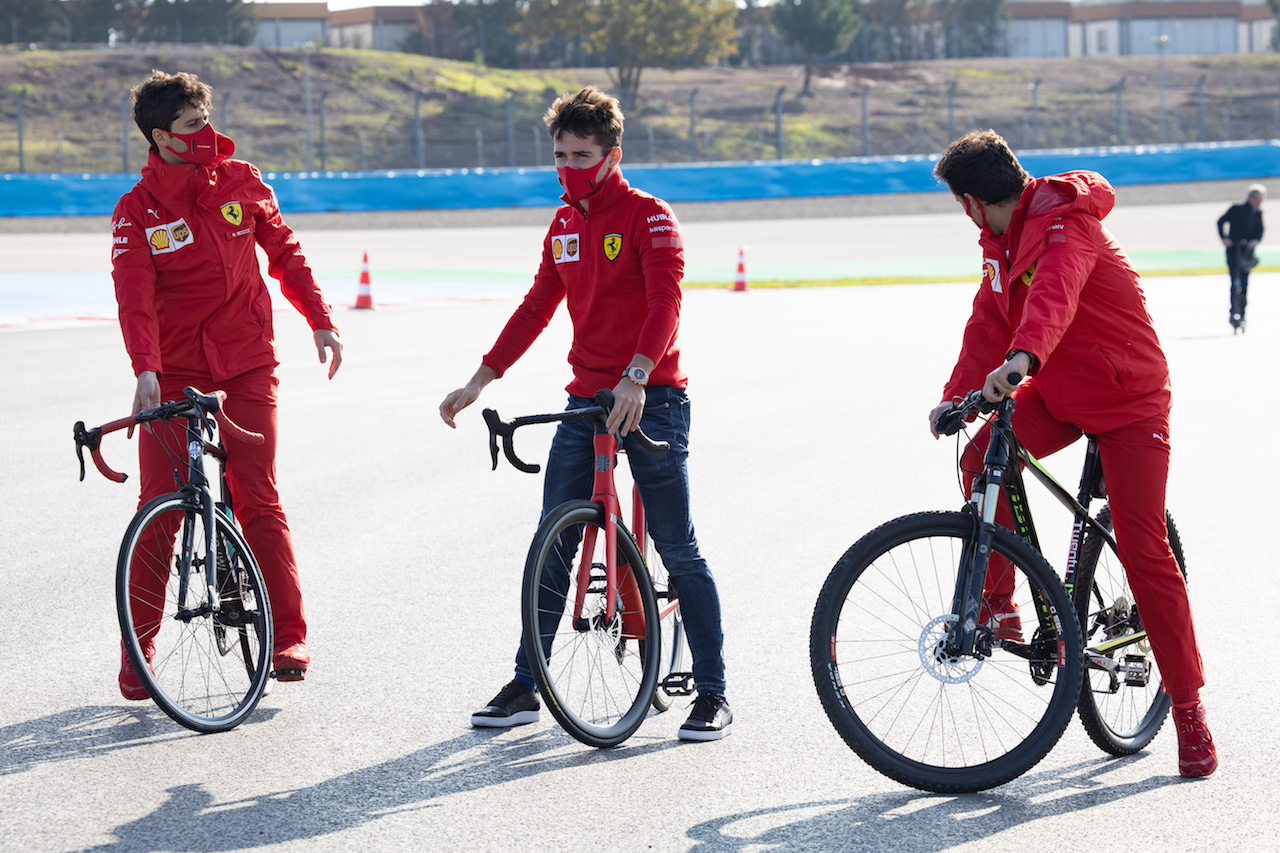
<point x="207" y="666"/>
<point x="1122" y="712"/>
<point x="597" y="676"/>
<point x="943" y="724"/>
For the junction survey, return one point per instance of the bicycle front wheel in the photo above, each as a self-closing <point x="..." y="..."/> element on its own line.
<point x="912" y="709"/>
<point x="1121" y="704"/>
<point x="196" y="626"/>
<point x="596" y="672"/>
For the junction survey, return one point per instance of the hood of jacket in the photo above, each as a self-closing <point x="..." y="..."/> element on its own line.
<point x="1043" y="201"/>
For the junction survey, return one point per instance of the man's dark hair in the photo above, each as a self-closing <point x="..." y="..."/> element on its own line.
<point x="981" y="164"/>
<point x="590" y="114"/>
<point x="161" y="98"/>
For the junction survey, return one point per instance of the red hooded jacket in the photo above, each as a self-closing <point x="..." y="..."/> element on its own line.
<point x="184" y="261"/>
<point x="1057" y="285"/>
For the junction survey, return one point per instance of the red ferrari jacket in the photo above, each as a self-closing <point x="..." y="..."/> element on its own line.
<point x="1057" y="285"/>
<point x="191" y="295"/>
<point x="619" y="269"/>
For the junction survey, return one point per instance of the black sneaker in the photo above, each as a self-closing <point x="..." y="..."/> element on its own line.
<point x="515" y="705"/>
<point x="710" y="719"/>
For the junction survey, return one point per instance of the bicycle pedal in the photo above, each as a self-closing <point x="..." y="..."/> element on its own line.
<point x="1137" y="672"/>
<point x="288" y="674"/>
<point x="678" y="684"/>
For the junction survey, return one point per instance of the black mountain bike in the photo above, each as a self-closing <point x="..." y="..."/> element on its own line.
<point x="919" y="674"/>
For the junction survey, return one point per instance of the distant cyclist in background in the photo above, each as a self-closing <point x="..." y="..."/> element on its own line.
<point x="1243" y="233"/>
<point x="194" y="310"/>
<point x="1061" y="306"/>
<point x="615" y="256"/>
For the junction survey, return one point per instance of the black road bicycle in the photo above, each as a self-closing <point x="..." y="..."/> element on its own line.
<point x="194" y="613"/>
<point x="927" y="687"/>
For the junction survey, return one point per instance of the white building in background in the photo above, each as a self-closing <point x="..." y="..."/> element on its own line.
<point x="291" y="24"/>
<point x="373" y="27"/>
<point x="1038" y="28"/>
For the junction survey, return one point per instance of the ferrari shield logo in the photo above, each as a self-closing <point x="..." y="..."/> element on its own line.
<point x="232" y="213"/>
<point x="612" y="245"/>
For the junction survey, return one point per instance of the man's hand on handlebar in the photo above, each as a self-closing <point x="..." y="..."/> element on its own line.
<point x="147" y="396"/>
<point x="628" y="407"/>
<point x="998" y="384"/>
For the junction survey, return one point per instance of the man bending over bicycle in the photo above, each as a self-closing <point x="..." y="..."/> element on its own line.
<point x="1060" y="303"/>
<point x="615" y="255"/>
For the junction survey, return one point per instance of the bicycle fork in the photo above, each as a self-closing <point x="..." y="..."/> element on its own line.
<point x="972" y="575"/>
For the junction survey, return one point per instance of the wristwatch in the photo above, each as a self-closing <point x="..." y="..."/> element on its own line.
<point x="637" y="375"/>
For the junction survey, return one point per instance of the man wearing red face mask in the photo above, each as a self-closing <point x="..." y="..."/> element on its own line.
<point x="194" y="310"/>
<point x="615" y="255"/>
<point x="1060" y="306"/>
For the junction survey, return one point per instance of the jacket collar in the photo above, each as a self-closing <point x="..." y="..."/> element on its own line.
<point x="179" y="186"/>
<point x="613" y="189"/>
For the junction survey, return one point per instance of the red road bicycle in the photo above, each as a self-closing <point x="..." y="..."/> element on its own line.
<point x="194" y="613"/>
<point x="603" y="636"/>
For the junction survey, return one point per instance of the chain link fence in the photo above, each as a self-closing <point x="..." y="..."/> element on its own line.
<point x="325" y="112"/>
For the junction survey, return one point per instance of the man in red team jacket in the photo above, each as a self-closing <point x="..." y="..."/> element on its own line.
<point x="615" y="255"/>
<point x="1060" y="305"/>
<point x="194" y="310"/>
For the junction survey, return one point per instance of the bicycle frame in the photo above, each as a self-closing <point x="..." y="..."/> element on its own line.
<point x="605" y="493"/>
<point x="999" y="473"/>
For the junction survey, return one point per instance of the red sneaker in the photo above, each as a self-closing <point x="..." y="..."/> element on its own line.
<point x="1001" y="613"/>
<point x="1197" y="755"/>
<point x="290" y="662"/>
<point x="130" y="685"/>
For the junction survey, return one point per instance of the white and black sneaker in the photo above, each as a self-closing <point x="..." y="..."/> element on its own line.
<point x="710" y="719"/>
<point x="515" y="705"/>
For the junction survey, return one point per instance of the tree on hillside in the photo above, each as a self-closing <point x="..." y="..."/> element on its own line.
<point x="817" y="27"/>
<point x="198" y="22"/>
<point x="633" y="35"/>
<point x="971" y="27"/>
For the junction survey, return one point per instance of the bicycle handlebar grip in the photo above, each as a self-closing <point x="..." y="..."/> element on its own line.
<point x="1015" y="378"/>
<point x="949" y="422"/>
<point x="604" y="399"/>
<point x="498" y="428"/>
<point x="213" y="404"/>
<point x="102" y="466"/>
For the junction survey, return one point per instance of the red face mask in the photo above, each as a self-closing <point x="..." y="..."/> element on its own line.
<point x="982" y="210"/>
<point x="580" y="184"/>
<point x="205" y="147"/>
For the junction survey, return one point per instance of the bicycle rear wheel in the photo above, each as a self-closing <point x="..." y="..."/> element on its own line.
<point x="204" y="659"/>
<point x="934" y="721"/>
<point x="597" y="674"/>
<point x="674" y="655"/>
<point x="1121" y="704"/>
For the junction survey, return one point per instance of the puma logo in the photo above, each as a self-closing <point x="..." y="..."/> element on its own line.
<point x="564" y="223"/>
<point x="1160" y="438"/>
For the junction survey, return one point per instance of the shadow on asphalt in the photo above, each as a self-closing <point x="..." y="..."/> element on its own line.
<point x="190" y="820"/>
<point x="90" y="731"/>
<point x="919" y="821"/>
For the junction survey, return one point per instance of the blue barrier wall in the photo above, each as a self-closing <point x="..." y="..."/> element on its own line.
<point x="444" y="189"/>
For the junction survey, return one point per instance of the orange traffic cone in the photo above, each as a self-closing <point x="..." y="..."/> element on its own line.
<point x="740" y="279"/>
<point x="364" y="297"/>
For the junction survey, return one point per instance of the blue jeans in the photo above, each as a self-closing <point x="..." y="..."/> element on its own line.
<point x="663" y="480"/>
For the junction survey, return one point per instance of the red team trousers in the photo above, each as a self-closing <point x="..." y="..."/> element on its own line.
<point x="1135" y="463"/>
<point x="251" y="477"/>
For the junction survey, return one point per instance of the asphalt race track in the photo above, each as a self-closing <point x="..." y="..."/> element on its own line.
<point x="809" y="430"/>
